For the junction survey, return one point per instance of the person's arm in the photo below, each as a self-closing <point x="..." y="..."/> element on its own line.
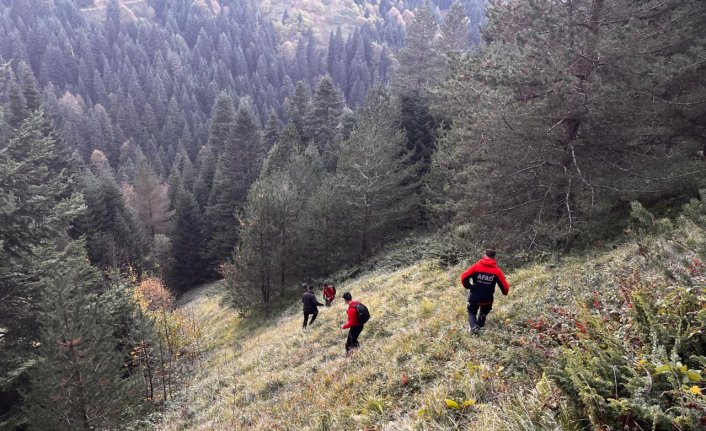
<point x="351" y="317"/>
<point x="504" y="286"/>
<point x="466" y="277"/>
<point x="317" y="302"/>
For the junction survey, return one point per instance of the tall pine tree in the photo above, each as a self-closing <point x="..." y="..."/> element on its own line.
<point x="420" y="63"/>
<point x="323" y="119"/>
<point x="238" y="167"/>
<point x="80" y="380"/>
<point x="372" y="176"/>
<point x="187" y="267"/>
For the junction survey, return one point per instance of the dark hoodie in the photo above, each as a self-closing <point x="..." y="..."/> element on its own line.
<point x="310" y="302"/>
<point x="485" y="275"/>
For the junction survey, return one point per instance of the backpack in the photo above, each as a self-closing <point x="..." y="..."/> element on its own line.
<point x="363" y="313"/>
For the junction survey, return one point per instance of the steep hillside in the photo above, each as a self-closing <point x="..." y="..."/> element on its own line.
<point x="418" y="367"/>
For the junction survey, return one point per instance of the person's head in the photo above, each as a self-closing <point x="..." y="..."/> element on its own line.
<point x="347" y="297"/>
<point x="310" y="288"/>
<point x="305" y="287"/>
<point x="490" y="253"/>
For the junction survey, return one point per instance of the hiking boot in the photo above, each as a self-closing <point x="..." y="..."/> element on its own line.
<point x="475" y="329"/>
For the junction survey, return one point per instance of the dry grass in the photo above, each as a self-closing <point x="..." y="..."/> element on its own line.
<point x="416" y="353"/>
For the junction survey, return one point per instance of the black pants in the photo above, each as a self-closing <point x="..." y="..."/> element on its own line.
<point x="327" y="302"/>
<point x="475" y="319"/>
<point x="352" y="340"/>
<point x="313" y="315"/>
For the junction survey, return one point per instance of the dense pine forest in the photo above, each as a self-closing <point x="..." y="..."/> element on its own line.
<point x="149" y="147"/>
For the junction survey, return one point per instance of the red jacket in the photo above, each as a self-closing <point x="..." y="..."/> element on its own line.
<point x="352" y="316"/>
<point x="329" y="293"/>
<point x="485" y="275"/>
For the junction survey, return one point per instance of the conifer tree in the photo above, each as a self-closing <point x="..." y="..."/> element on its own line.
<point x="270" y="135"/>
<point x="39" y="185"/>
<point x="150" y="201"/>
<point x="222" y="124"/>
<point x="326" y="241"/>
<point x="237" y="168"/>
<point x="454" y="38"/>
<point x="420" y="64"/>
<point x="113" y="237"/>
<point x="373" y="177"/>
<point x="112" y="21"/>
<point x="420" y="126"/>
<point x="299" y="106"/>
<point x="17" y="105"/>
<point x="601" y="125"/>
<point x="39" y="200"/>
<point x="29" y="89"/>
<point x="322" y="120"/>
<point x="181" y="174"/>
<point x="206" y="166"/>
<point x="187" y="267"/>
<point x="80" y="380"/>
<point x="263" y="256"/>
<point x="288" y="144"/>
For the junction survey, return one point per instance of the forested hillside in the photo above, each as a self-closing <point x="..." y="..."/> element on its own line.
<point x="150" y="146"/>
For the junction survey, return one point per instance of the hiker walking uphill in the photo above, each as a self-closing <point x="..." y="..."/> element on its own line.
<point x="329" y="294"/>
<point x="480" y="279"/>
<point x="311" y="305"/>
<point x="358" y="315"/>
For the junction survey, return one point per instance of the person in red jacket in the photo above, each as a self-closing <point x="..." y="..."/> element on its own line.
<point x="480" y="279"/>
<point x="329" y="294"/>
<point x="354" y="327"/>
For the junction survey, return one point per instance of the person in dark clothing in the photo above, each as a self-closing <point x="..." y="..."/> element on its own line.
<point x="480" y="279"/>
<point x="311" y="305"/>
<point x="329" y="294"/>
<point x="352" y="324"/>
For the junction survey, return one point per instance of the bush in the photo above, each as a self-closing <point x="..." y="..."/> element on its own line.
<point x="641" y="365"/>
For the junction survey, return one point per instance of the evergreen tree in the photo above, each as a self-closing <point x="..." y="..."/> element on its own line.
<point x="420" y="64"/>
<point x="576" y="139"/>
<point x="372" y="175"/>
<point x="454" y="32"/>
<point x="283" y="151"/>
<point x="270" y="134"/>
<point x="39" y="200"/>
<point x="187" y="267"/>
<point x="112" y="21"/>
<point x="326" y="241"/>
<point x="17" y="105"/>
<point x="298" y="107"/>
<point x="260" y="260"/>
<point x="80" y="381"/>
<point x="322" y="120"/>
<point x="420" y="127"/>
<point x="237" y="168"/>
<point x="181" y="174"/>
<point x="113" y="237"/>
<point x="206" y="165"/>
<point x="222" y="124"/>
<point x="38" y="185"/>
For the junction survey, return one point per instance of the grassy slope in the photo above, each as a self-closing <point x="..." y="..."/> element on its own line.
<point x="415" y="351"/>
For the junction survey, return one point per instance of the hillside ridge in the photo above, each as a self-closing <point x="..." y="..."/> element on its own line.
<point x="418" y="364"/>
